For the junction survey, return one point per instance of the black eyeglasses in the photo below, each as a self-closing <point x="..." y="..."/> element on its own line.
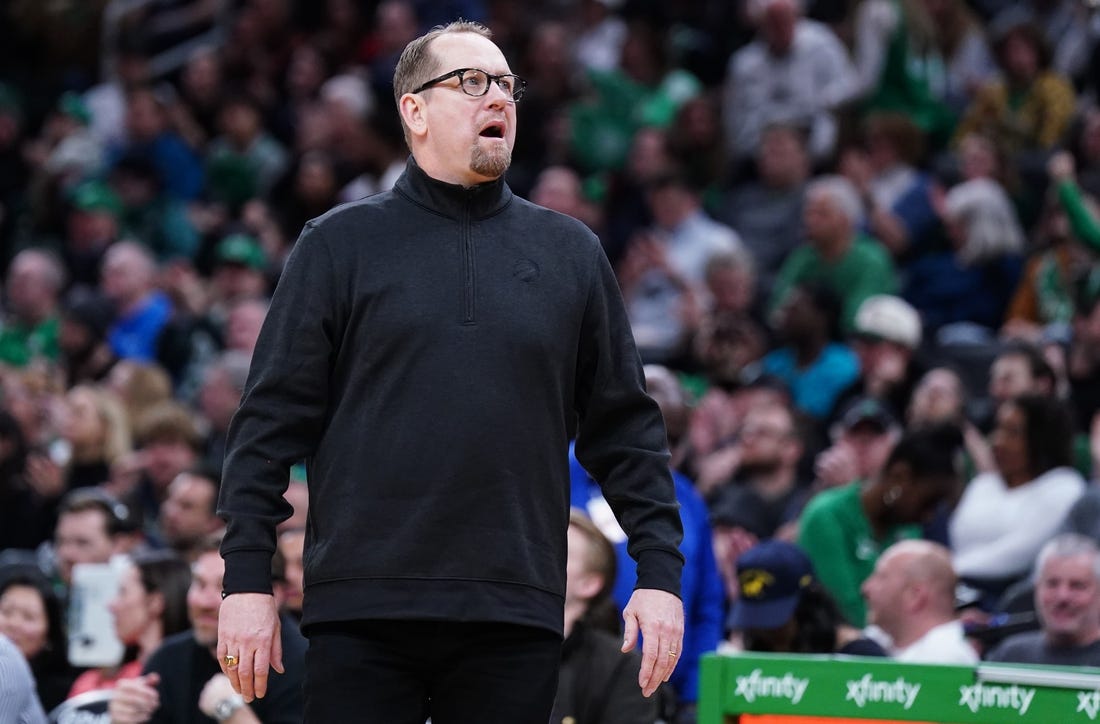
<point x="475" y="82"/>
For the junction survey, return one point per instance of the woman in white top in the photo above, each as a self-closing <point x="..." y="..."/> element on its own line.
<point x="1005" y="516"/>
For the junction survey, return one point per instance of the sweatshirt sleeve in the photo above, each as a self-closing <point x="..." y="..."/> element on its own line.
<point x="621" y="437"/>
<point x="282" y="411"/>
<point x="1085" y="225"/>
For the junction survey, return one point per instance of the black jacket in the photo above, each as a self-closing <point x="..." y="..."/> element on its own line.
<point x="598" y="683"/>
<point x="430" y="351"/>
<point x="185" y="667"/>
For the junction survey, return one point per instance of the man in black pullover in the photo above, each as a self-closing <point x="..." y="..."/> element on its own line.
<point x="430" y="351"/>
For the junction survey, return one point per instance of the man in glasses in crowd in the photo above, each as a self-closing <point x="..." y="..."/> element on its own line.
<point x="431" y="351"/>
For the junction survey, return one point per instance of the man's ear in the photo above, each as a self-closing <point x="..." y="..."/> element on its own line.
<point x="413" y="113"/>
<point x="589" y="585"/>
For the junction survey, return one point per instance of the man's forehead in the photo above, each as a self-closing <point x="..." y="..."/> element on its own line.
<point x="209" y="566"/>
<point x="1080" y="565"/>
<point x="468" y="50"/>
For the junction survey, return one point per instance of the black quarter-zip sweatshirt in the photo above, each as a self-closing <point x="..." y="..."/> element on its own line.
<point x="430" y="351"/>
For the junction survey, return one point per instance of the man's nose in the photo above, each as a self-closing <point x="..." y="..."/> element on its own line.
<point x="497" y="96"/>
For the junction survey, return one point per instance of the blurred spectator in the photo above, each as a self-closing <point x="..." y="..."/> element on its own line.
<point x="150" y="213"/>
<point x="1066" y="229"/>
<point x="644" y="90"/>
<point x="151" y="605"/>
<point x="151" y="138"/>
<point x="309" y="189"/>
<point x="181" y="680"/>
<point x="767" y="210"/>
<point x="240" y="265"/>
<point x="795" y="71"/>
<point x="242" y="327"/>
<point x="885" y="339"/>
<point x="974" y="280"/>
<point x="1081" y="212"/>
<point x="202" y="88"/>
<point x="395" y="24"/>
<point x="729" y="338"/>
<point x="128" y="281"/>
<point x="219" y="396"/>
<point x="168" y="444"/>
<point x="600" y="37"/>
<point x="898" y="196"/>
<point x="92" y="434"/>
<point x="67" y="151"/>
<point x="140" y="387"/>
<point x="1029" y="107"/>
<point x="30" y="616"/>
<point x="23" y="522"/>
<point x="765" y="494"/>
<point x="862" y="438"/>
<point x="1019" y="369"/>
<point x="836" y="252"/>
<point x="894" y="54"/>
<point x="92" y="224"/>
<point x="29" y="330"/>
<point x="957" y="58"/>
<point x="18" y="698"/>
<point x="1063" y="25"/>
<point x="783" y="608"/>
<point x="995" y="532"/>
<point x="596" y="679"/>
<point x="292" y="545"/>
<point x="244" y="160"/>
<point x="813" y="363"/>
<point x="1067" y="599"/>
<point x="662" y="275"/>
<point x="939" y="397"/>
<point x="911" y="598"/>
<point x="85" y="353"/>
<point x="189" y="512"/>
<point x="560" y="188"/>
<point x="844" y="530"/>
<point x="127" y="68"/>
<point x="89" y="527"/>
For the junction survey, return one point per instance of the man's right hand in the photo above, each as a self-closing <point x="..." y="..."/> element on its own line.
<point x="134" y="700"/>
<point x="248" y="628"/>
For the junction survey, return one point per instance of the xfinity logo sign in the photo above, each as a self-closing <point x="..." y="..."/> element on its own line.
<point x="986" y="696"/>
<point x="1089" y="703"/>
<point x="867" y="689"/>
<point x="756" y="685"/>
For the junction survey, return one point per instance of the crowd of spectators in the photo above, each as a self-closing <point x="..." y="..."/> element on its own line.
<point x="846" y="233"/>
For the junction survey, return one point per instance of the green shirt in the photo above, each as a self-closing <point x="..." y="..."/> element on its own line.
<point x="864" y="270"/>
<point x="836" y="535"/>
<point x="19" y="344"/>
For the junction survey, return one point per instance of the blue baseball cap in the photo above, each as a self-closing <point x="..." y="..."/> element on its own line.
<point x="770" y="577"/>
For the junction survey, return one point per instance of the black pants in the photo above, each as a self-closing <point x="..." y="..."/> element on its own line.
<point x="402" y="672"/>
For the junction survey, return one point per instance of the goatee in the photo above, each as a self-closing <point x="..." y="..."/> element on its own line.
<point x="491" y="162"/>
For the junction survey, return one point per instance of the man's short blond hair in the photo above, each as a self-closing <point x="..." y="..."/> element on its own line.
<point x="417" y="65"/>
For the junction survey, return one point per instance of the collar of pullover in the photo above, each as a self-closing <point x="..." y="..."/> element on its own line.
<point x="452" y="200"/>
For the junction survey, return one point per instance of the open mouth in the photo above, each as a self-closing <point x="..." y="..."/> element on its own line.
<point x="493" y="130"/>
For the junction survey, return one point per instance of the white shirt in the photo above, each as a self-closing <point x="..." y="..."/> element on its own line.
<point x="804" y="85"/>
<point x="997" y="531"/>
<point x="943" y="644"/>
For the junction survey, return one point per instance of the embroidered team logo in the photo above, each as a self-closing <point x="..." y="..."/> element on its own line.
<point x="754" y="581"/>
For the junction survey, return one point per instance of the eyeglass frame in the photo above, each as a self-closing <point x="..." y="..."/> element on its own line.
<point x="514" y="97"/>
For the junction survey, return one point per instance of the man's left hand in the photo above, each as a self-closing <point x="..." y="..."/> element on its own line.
<point x="659" y="617"/>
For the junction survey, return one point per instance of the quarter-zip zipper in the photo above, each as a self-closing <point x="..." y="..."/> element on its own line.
<point x="469" y="291"/>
